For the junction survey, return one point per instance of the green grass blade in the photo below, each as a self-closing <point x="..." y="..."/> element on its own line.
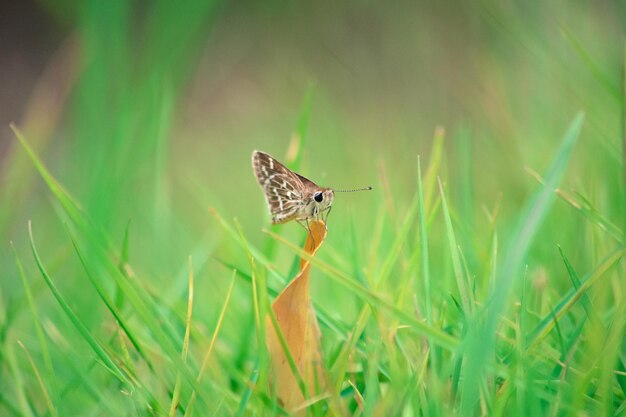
<point x="396" y="247"/>
<point x="261" y="306"/>
<point x="109" y="303"/>
<point x="75" y="320"/>
<point x="575" y="294"/>
<point x="123" y="264"/>
<point x="423" y="247"/>
<point x="432" y="172"/>
<point x="462" y="286"/>
<point x="81" y="380"/>
<point x="299" y="139"/>
<point x="589" y="211"/>
<point x="340" y="365"/>
<point x="185" y="348"/>
<point x="67" y="201"/>
<point x="42" y="386"/>
<point x="43" y="344"/>
<point x="584" y="206"/>
<point x="481" y="337"/>
<point x="585" y="300"/>
<point x="603" y="79"/>
<point x="207" y="356"/>
<point x="18" y="383"/>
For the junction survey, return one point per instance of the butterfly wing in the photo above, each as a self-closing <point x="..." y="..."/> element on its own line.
<point x="307" y="183"/>
<point x="282" y="187"/>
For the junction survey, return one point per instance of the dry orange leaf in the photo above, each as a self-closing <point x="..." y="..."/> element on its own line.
<point x="296" y="319"/>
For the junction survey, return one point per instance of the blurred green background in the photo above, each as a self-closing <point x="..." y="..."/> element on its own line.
<point x="147" y="113"/>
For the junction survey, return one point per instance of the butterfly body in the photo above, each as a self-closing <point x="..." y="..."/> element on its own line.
<point x="289" y="196"/>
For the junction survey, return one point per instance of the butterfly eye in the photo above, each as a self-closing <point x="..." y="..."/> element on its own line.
<point x="318" y="197"/>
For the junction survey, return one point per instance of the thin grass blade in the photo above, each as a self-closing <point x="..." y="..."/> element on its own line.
<point x="481" y="337"/>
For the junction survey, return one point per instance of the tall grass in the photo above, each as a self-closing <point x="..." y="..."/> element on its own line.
<point x="141" y="267"/>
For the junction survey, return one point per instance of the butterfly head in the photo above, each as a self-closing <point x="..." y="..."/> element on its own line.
<point x="321" y="200"/>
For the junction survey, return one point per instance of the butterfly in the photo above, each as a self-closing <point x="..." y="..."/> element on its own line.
<point x="289" y="195"/>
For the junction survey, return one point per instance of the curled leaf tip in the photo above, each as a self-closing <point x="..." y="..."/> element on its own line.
<point x="317" y="234"/>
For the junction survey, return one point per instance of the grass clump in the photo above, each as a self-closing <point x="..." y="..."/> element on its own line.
<point x="141" y="272"/>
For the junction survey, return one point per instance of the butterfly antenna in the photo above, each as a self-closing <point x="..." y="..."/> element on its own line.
<point x="356" y="189"/>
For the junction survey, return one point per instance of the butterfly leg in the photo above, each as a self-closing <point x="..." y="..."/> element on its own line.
<point x="327" y="214"/>
<point x="305" y="223"/>
<point x="310" y="232"/>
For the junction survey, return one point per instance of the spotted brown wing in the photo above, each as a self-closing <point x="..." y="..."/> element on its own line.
<point x="284" y="191"/>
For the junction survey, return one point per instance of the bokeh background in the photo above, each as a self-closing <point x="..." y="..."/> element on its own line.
<point x="147" y="112"/>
